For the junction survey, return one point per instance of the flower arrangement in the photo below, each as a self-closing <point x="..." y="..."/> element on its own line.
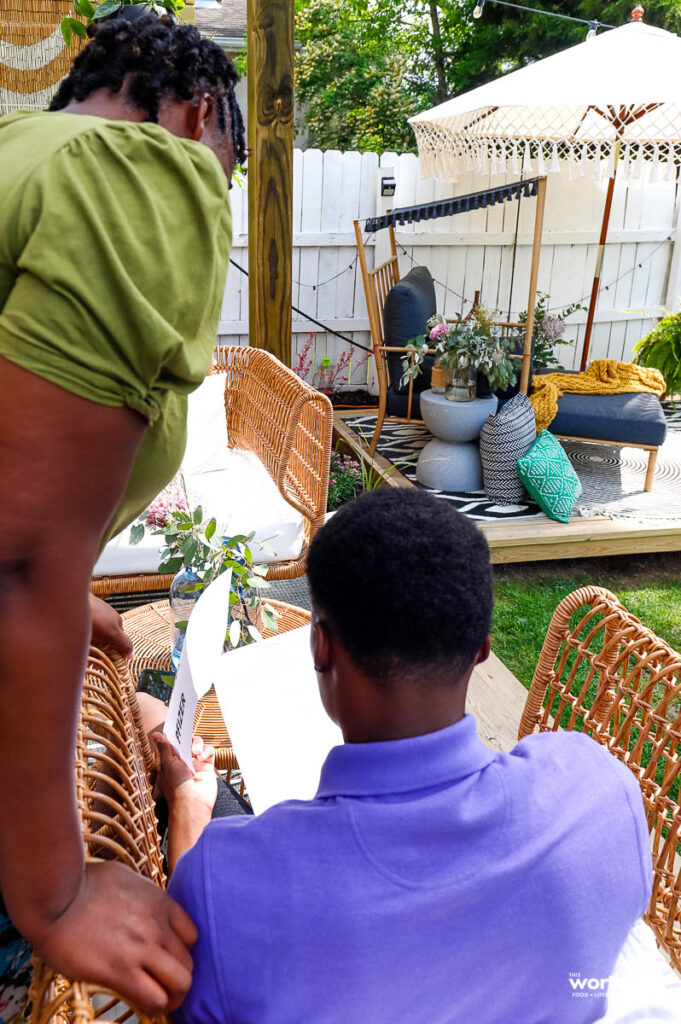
<point x="463" y="347"/>
<point x="549" y="330"/>
<point x="192" y="542"/>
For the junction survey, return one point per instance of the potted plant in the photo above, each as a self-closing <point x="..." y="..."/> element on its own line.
<point x="129" y="10"/>
<point x="465" y="349"/>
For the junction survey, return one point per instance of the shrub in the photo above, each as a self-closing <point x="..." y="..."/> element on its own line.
<point x="661" y="349"/>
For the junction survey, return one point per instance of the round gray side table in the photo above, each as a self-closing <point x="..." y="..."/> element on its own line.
<point x="451" y="461"/>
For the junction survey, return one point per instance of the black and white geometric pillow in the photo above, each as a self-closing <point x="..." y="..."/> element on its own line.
<point x="504" y="439"/>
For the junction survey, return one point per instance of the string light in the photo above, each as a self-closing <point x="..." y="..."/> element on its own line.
<point x="593" y="25"/>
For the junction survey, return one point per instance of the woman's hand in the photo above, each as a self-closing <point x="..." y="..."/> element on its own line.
<point x="126" y="934"/>
<point x="107" y="628"/>
<point x="178" y="784"/>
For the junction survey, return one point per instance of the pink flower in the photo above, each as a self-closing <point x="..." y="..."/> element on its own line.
<point x="160" y="512"/>
<point x="438" y="331"/>
<point x="553" y="328"/>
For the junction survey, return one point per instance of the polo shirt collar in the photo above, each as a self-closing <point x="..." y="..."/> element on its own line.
<point x="400" y="766"/>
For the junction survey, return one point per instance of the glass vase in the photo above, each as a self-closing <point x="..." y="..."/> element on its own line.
<point x="182" y="601"/>
<point x="462" y="385"/>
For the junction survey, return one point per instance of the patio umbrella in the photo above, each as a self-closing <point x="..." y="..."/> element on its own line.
<point x="602" y="107"/>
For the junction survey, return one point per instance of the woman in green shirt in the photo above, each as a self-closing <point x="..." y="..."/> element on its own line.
<point x="115" y="233"/>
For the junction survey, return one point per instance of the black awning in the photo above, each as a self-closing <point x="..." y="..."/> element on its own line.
<point x="457" y="204"/>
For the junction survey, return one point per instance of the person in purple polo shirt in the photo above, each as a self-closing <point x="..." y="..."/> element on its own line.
<point x="431" y="880"/>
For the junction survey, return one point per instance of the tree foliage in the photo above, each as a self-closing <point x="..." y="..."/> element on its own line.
<point x="366" y="66"/>
<point x="350" y="76"/>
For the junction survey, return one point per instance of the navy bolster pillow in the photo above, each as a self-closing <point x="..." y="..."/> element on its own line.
<point x="408" y="305"/>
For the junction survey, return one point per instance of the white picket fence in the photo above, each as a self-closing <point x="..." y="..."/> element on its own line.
<point x="641" y="271"/>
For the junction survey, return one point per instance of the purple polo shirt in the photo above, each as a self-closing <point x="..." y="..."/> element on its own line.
<point x="431" y="880"/>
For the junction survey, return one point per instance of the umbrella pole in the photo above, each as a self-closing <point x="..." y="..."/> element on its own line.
<point x="599" y="261"/>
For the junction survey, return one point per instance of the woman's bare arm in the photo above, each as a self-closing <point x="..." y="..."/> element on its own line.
<point x="64" y="463"/>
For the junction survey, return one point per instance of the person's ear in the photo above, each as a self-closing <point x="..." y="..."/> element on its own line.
<point x="198" y="113"/>
<point x="320" y="645"/>
<point x="483" y="653"/>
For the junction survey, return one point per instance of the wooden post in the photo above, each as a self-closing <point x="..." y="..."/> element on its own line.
<point x="599" y="261"/>
<point x="270" y="174"/>
<point x="532" y="297"/>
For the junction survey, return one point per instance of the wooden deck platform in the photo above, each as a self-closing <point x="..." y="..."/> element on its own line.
<point x="496" y="700"/>
<point x="536" y="540"/>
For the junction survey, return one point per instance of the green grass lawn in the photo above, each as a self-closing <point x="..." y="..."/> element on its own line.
<point x="526" y="597"/>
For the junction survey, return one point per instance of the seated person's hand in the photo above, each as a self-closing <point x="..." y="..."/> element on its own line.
<point x="107" y="628"/>
<point x="181" y="787"/>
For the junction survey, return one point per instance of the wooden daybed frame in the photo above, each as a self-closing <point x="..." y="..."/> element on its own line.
<point x="379" y="281"/>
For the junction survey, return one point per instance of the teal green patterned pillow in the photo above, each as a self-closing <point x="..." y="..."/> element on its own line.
<point x="549" y="478"/>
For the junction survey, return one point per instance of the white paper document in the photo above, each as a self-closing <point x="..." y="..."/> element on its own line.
<point x="270" y="702"/>
<point x="203" y="646"/>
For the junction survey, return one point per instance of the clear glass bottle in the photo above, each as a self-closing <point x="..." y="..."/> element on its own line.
<point x="182" y="601"/>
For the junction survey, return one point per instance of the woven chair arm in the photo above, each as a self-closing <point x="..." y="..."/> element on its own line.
<point x="559" y="628"/>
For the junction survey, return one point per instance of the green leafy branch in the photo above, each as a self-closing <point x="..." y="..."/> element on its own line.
<point x="194" y="543"/>
<point x="71" y="26"/>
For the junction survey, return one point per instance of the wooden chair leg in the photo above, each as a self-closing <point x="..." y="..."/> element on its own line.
<point x="382" y="403"/>
<point x="650" y="473"/>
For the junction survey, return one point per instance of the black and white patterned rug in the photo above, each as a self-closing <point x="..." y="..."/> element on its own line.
<point x="612" y="478"/>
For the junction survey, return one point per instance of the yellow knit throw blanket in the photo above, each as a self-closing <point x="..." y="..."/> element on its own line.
<point x="604" y="377"/>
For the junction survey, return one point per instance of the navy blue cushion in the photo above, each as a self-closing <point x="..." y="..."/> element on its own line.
<point x="637" y="418"/>
<point x="396" y="404"/>
<point x="408" y="305"/>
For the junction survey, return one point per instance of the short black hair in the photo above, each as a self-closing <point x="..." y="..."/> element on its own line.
<point x="159" y="58"/>
<point x="406" y="583"/>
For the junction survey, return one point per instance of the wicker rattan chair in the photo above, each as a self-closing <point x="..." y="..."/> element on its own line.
<point x="288" y="425"/>
<point x="118" y="823"/>
<point x="601" y="671"/>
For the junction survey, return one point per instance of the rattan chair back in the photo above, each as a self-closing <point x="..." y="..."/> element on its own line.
<point x="288" y="423"/>
<point x="113" y="759"/>
<point x="603" y="672"/>
<point x="285" y="422"/>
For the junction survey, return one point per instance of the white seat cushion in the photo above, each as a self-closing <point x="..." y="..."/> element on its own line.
<point x="242" y="497"/>
<point x="206" y="449"/>
<point x="121" y="558"/>
<point x="643" y="989"/>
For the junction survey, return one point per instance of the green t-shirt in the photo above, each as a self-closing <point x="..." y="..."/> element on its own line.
<point x="114" y="243"/>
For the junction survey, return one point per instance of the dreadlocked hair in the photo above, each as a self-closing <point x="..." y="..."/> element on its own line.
<point x="155" y="58"/>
